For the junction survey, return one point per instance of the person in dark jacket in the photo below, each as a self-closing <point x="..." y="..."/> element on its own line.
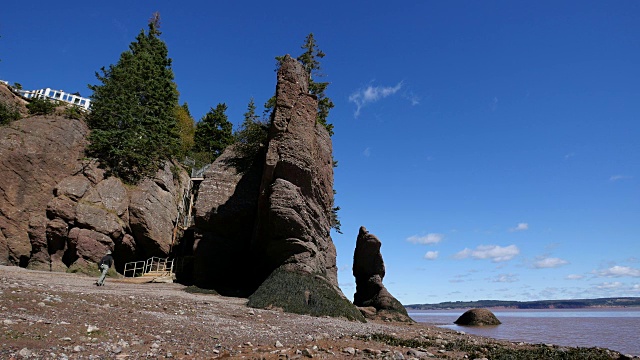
<point x="105" y="263"/>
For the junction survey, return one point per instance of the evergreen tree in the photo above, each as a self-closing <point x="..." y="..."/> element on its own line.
<point x="132" y="119"/>
<point x="252" y="134"/>
<point x="214" y="132"/>
<point x="310" y="61"/>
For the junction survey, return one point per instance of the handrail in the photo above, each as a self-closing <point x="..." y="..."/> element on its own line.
<point x="136" y="270"/>
<point x="156" y="264"/>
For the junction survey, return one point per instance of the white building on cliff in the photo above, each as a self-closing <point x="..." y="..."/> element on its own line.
<point x="59" y="95"/>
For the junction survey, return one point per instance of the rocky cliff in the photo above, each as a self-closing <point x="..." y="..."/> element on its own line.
<point x="59" y="212"/>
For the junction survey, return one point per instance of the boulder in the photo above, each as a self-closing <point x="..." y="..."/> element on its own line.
<point x="477" y="317"/>
<point x="369" y="270"/>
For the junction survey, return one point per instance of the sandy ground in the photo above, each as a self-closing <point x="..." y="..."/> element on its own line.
<point x="47" y="315"/>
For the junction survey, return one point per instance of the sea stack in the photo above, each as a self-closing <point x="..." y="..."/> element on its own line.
<point x="371" y="296"/>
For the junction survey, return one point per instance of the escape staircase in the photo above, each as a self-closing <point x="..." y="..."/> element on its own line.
<point x="155" y="269"/>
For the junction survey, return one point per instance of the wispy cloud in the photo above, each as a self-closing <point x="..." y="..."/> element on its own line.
<point x="427" y="239"/>
<point x="549" y="262"/>
<point x="371" y="94"/>
<point x="575" y="277"/>
<point x="493" y="252"/>
<point x="619" y="177"/>
<point x="431" y="255"/>
<point x="520" y="227"/>
<point x="413" y="98"/>
<point x="505" y="278"/>
<point x="569" y="156"/>
<point x="619" y="271"/>
<point x="367" y="152"/>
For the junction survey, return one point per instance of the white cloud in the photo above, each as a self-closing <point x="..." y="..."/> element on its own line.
<point x="371" y="94"/>
<point x="520" y="227"/>
<point x="547" y="263"/>
<point x="575" y="277"/>
<point x="619" y="177"/>
<point x="431" y="255"/>
<point x="609" y="286"/>
<point x="619" y="271"/>
<point x="427" y="239"/>
<point x="367" y="152"/>
<point x="636" y="287"/>
<point x="494" y="252"/>
<point x="505" y="278"/>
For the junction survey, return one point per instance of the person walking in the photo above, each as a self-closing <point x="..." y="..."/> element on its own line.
<point x="105" y="263"/>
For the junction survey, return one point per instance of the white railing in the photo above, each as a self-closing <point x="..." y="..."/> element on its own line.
<point x="153" y="264"/>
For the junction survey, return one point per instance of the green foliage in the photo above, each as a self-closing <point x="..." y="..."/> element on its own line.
<point x="335" y="221"/>
<point x="302" y="294"/>
<point x="39" y="106"/>
<point x="310" y="61"/>
<point x="497" y="351"/>
<point x="186" y="129"/>
<point x="73" y="112"/>
<point x="214" y="132"/>
<point x="18" y="86"/>
<point x="252" y="135"/>
<point x="8" y="114"/>
<point x="132" y="119"/>
<point x="196" y="290"/>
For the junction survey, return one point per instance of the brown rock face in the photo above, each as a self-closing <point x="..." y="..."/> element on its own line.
<point x="276" y="214"/>
<point x="90" y="215"/>
<point x="477" y="317"/>
<point x="35" y="155"/>
<point x="225" y="214"/>
<point x="369" y="270"/>
<point x="296" y="192"/>
<point x="58" y="211"/>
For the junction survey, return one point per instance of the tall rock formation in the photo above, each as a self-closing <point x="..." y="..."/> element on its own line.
<point x="267" y="228"/>
<point x="368" y="269"/>
<point x="296" y="192"/>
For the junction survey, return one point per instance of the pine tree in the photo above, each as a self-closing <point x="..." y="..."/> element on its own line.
<point x="132" y="119"/>
<point x="214" y="132"/>
<point x="252" y="134"/>
<point x="310" y="61"/>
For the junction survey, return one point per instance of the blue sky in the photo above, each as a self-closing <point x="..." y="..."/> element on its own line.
<point x="492" y="146"/>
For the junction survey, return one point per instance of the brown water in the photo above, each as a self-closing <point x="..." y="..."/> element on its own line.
<point x="617" y="328"/>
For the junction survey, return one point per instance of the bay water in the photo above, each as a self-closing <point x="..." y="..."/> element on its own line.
<point x="612" y="328"/>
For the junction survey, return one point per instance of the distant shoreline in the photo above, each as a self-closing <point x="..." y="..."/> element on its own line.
<point x="605" y="303"/>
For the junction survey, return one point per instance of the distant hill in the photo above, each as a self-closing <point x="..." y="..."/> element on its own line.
<point x="540" y="304"/>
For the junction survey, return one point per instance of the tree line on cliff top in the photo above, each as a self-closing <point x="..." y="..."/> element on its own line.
<point x="136" y="121"/>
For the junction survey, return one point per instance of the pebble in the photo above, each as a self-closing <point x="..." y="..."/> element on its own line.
<point x="279" y="344"/>
<point x="349" y="350"/>
<point x="24" y="352"/>
<point x="91" y="328"/>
